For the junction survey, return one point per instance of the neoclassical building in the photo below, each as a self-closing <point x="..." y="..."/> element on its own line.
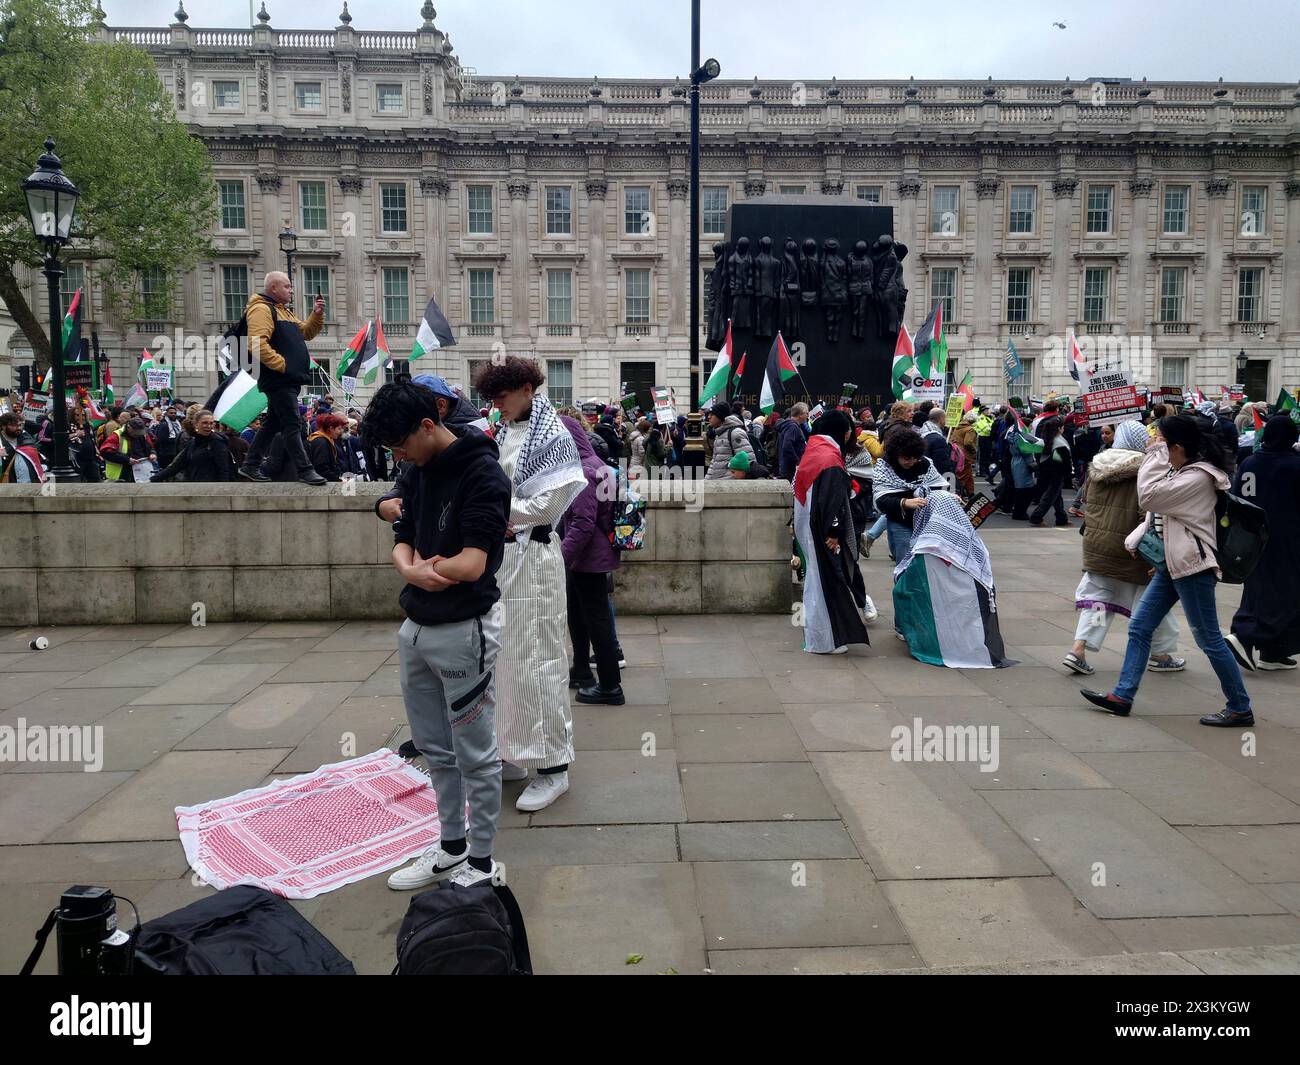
<point x="550" y="216"/>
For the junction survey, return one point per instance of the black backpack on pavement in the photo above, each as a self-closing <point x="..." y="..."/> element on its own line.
<point x="456" y="931"/>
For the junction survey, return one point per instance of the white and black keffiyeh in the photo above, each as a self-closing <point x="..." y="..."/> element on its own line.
<point x="942" y="528"/>
<point x="548" y="457"/>
<point x="885" y="480"/>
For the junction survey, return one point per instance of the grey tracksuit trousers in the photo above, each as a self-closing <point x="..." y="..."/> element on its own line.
<point x="450" y="692"/>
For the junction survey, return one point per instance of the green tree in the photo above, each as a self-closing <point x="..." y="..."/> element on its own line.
<point x="147" y="195"/>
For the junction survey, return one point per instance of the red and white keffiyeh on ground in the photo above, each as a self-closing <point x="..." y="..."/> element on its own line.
<point x="313" y="833"/>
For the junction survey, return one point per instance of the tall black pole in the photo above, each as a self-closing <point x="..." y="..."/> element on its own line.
<point x="62" y="470"/>
<point x="695" y="205"/>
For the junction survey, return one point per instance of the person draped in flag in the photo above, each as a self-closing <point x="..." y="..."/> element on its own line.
<point x="535" y="724"/>
<point x="20" y="461"/>
<point x="824" y="530"/>
<point x="279" y="339"/>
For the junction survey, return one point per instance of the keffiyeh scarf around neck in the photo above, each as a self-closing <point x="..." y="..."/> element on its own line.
<point x="885" y="479"/>
<point x="942" y="528"/>
<point x="548" y="457"/>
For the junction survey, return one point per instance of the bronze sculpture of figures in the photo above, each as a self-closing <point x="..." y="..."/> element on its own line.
<point x="767" y="276"/>
<point x="740" y="285"/>
<point x="790" y="291"/>
<point x="719" y="304"/>
<point x="834" y="292"/>
<point x="860" y="276"/>
<point x="890" y="293"/>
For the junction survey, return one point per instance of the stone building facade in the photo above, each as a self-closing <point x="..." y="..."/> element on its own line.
<point x="550" y="216"/>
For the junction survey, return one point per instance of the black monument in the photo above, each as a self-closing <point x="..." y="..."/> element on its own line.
<point x="828" y="274"/>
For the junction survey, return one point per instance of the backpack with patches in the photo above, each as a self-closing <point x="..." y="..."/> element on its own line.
<point x="1241" y="534"/>
<point x="629" y="518"/>
<point x="456" y="931"/>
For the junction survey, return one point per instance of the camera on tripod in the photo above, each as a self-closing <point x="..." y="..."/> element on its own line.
<point x="90" y="943"/>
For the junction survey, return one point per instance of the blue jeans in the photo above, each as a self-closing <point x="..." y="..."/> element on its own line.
<point x="878" y="528"/>
<point x="1197" y="596"/>
<point x="900" y="539"/>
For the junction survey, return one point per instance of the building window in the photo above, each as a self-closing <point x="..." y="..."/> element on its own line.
<point x="396" y="368"/>
<point x="392" y="203"/>
<point x="1024" y="204"/>
<point x="1096" y="294"/>
<point x="234" y="292"/>
<point x="1173" y="294"/>
<point x="868" y="193"/>
<point x="397" y="295"/>
<point x="479" y="200"/>
<point x="636" y="288"/>
<point x="559" y="297"/>
<point x="943" y="286"/>
<point x="1250" y="293"/>
<point x="1254" y="199"/>
<point x="231" y="198"/>
<point x="225" y="95"/>
<point x="1020" y="294"/>
<point x="482" y="297"/>
<point x="311" y="201"/>
<point x="944" y="200"/>
<point x="706" y="366"/>
<point x="636" y="211"/>
<point x="315" y="279"/>
<point x="74" y="278"/>
<point x="154" y="299"/>
<point x="307" y="95"/>
<point x="792" y="190"/>
<point x="389" y="100"/>
<point x="321" y="380"/>
<point x="713" y="209"/>
<point x="559" y="211"/>
<point x="472" y="367"/>
<point x="559" y="382"/>
<point x="1173" y="372"/>
<point x="1026" y="384"/>
<point x="1100" y="199"/>
<point x="1176" y="200"/>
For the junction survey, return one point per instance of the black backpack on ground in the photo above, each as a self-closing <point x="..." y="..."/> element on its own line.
<point x="1241" y="534"/>
<point x="456" y="931"/>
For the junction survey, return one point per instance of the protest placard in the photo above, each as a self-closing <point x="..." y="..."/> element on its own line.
<point x="158" y="380"/>
<point x="979" y="509"/>
<point x="955" y="409"/>
<point x="1112" y="397"/>
<point x="665" y="414"/>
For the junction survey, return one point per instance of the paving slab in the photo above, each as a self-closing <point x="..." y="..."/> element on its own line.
<point x="71" y="706"/>
<point x="260" y="649"/>
<point x="386" y="680"/>
<point x="1287" y="895"/>
<point x="146" y="666"/>
<point x="1030" y="764"/>
<point x="1082" y="729"/>
<point x="1190" y="788"/>
<point x="34" y="805"/>
<point x="755" y="791"/>
<point x="334" y="665"/>
<point x="644" y="686"/>
<point x="1266" y="754"/>
<point x="217" y="634"/>
<point x="736" y="738"/>
<point x="783" y="904"/>
<point x="591" y="919"/>
<point x="638" y="625"/>
<point x="17" y="688"/>
<point x="1196" y="933"/>
<point x="361" y="636"/>
<point x="709" y="660"/>
<point x="971" y="709"/>
<point x="91" y="863"/>
<point x="355" y="728"/>
<point x="144" y="807"/>
<point x="1262" y="854"/>
<point x="618" y="787"/>
<point x="362" y="921"/>
<point x="835" y="686"/>
<point x="914" y="821"/>
<point x="283" y="630"/>
<point x="1247" y="961"/>
<point x="843" y="726"/>
<point x="227" y="682"/>
<point x="273" y="715"/>
<point x="764" y="840"/>
<point x="811" y="961"/>
<point x="997" y="921"/>
<point x="641" y="650"/>
<point x="520" y="848"/>
<point x="1150" y="870"/>
<point x="752" y="695"/>
<point x="621" y="728"/>
<point x="76" y="655"/>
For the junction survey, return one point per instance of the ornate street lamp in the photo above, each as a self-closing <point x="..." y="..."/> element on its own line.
<point x="1241" y="366"/>
<point x="699" y="75"/>
<point x="289" y="245"/>
<point x="52" y="203"/>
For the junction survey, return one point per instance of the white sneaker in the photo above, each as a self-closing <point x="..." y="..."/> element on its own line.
<point x="869" y="612"/>
<point x="511" y="772"/>
<point x="433" y="865"/>
<point x="543" y="790"/>
<point x="841" y="650"/>
<point x="468" y="876"/>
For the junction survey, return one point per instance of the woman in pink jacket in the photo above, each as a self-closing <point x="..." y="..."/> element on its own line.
<point x="1178" y="485"/>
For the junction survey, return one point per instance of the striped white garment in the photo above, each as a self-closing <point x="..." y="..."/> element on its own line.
<point x="534" y="721"/>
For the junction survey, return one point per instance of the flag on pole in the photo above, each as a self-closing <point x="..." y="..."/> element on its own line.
<point x="367" y="353"/>
<point x="779" y="370"/>
<point x="1078" y="364"/>
<point x="137" y="397"/>
<point x="967" y="389"/>
<point x="1286" y="404"/>
<point x="72" y="330"/>
<point x="1011" y="366"/>
<point x="717" y="381"/>
<point x="434" y="332"/>
<point x="94" y="415"/>
<point x="930" y="349"/>
<point x="904" y="361"/>
<point x="237" y="401"/>
<point x="146" y="364"/>
<point x="109" y="394"/>
<point x="740" y="373"/>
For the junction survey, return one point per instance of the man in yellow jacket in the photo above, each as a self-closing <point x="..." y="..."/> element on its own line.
<point x="278" y="338"/>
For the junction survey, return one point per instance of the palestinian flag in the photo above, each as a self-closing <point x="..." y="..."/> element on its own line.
<point x="434" y="332"/>
<point x="717" y="382"/>
<point x="72" y="330"/>
<point x="109" y="394"/>
<point x="146" y="364"/>
<point x="1078" y="364"/>
<point x="94" y="415"/>
<point x="236" y="402"/>
<point x="1026" y="442"/>
<point x="904" y="362"/>
<point x="1286" y="404"/>
<point x="740" y="373"/>
<point x="930" y="347"/>
<point x="1259" y="429"/>
<point x="967" y="389"/>
<point x="137" y="397"/>
<point x="367" y="354"/>
<point x="779" y="370"/>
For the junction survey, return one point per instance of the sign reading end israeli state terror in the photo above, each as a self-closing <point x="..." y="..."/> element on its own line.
<point x="1112" y="397"/>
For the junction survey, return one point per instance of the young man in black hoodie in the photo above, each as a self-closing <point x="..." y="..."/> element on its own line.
<point x="450" y="540"/>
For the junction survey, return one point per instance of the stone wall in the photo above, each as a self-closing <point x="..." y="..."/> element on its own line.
<point x="99" y="554"/>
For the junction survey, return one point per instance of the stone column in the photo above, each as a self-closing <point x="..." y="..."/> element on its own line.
<point x="518" y="188"/>
<point x="597" y="190"/>
<point x="435" y="188"/>
<point x="268" y="185"/>
<point x="1217" y="332"/>
<point x="679" y="189"/>
<point x="984" y="328"/>
<point x="1063" y="266"/>
<point x="1291" y="259"/>
<point x="1139" y="265"/>
<point x="353" y="258"/>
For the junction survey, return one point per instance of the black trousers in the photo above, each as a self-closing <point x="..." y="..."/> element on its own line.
<point x="591" y="626"/>
<point x="985" y="454"/>
<point x="1049" y="497"/>
<point x="281" y="420"/>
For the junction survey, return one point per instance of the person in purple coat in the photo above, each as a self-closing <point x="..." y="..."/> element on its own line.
<point x="589" y="557"/>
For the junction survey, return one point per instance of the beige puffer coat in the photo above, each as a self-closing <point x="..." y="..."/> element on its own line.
<point x="1111" y="512"/>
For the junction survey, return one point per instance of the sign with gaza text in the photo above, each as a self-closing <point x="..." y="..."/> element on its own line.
<point x="924" y="388"/>
<point x="1112" y="397"/>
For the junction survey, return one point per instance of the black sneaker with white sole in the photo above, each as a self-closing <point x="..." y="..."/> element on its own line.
<point x="1281" y="663"/>
<point x="1242" y="652"/>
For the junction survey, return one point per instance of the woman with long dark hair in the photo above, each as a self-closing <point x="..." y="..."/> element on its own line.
<point x="1178" y="485"/>
<point x="1053" y="472"/>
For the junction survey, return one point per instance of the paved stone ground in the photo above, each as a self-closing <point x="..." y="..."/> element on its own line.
<point x="770" y="832"/>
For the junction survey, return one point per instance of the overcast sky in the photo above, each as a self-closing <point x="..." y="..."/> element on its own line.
<point x="1197" y="40"/>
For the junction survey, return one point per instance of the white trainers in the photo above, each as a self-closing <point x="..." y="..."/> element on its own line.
<point x="511" y="772"/>
<point x="543" y="790"/>
<point x="468" y="876"/>
<point x="433" y="865"/>
<point x="869" y="612"/>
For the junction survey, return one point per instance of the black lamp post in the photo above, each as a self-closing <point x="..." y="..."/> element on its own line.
<point x="1241" y="366"/>
<point x="289" y="245"/>
<point x="52" y="202"/>
<point x="699" y="75"/>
